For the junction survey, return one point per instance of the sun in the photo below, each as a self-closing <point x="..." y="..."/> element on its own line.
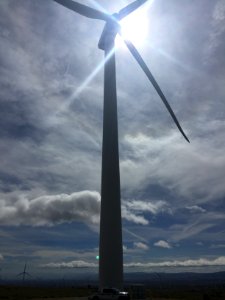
<point x="134" y="28"/>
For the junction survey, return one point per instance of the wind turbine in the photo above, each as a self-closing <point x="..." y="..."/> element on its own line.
<point x="24" y="273"/>
<point x="110" y="246"/>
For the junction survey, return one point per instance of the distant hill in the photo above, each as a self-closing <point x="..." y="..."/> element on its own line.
<point x="176" y="278"/>
<point x="148" y="279"/>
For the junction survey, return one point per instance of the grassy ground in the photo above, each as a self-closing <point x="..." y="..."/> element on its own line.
<point x="24" y="293"/>
<point x="69" y="293"/>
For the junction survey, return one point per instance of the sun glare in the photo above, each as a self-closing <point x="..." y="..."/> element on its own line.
<point x="134" y="28"/>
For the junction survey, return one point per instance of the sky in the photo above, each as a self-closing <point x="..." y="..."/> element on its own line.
<point x="51" y="106"/>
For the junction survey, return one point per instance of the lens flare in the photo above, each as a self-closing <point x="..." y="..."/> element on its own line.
<point x="134" y="28"/>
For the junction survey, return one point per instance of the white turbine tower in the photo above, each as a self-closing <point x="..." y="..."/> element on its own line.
<point x="110" y="246"/>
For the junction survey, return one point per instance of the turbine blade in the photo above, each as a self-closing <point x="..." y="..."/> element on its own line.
<point x="83" y="9"/>
<point x="130" y="8"/>
<point x="146" y="70"/>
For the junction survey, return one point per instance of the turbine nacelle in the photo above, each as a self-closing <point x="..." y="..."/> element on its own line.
<point x="111" y="29"/>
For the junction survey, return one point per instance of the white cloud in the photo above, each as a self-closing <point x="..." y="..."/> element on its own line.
<point x="135" y="235"/>
<point x="196" y="209"/>
<point x="50" y="210"/>
<point x="163" y="244"/>
<point x="75" y="264"/>
<point x="146" y="206"/>
<point x="193" y="174"/>
<point x="124" y="248"/>
<point x="186" y="169"/>
<point x="132" y="209"/>
<point x="131" y="217"/>
<point x="65" y="254"/>
<point x="201" y="262"/>
<point x="141" y="246"/>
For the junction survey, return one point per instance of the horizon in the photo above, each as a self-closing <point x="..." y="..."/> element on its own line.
<point x="86" y="277"/>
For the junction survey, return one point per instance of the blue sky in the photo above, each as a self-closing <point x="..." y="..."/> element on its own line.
<point x="51" y="132"/>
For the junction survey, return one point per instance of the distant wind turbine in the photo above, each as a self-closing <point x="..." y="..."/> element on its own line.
<point x="110" y="248"/>
<point x="24" y="273"/>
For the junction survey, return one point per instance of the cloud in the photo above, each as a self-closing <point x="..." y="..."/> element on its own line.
<point x="189" y="171"/>
<point x="51" y="140"/>
<point x="141" y="246"/>
<point x="218" y="246"/>
<point x="219" y="11"/>
<point x="196" y="226"/>
<point x="76" y="264"/>
<point x="135" y="235"/>
<point x="1" y="257"/>
<point x="199" y="244"/>
<point x="51" y="210"/>
<point x="215" y="45"/>
<point x="163" y="244"/>
<point x="201" y="262"/>
<point x="146" y="206"/>
<point x="60" y="254"/>
<point x="131" y="217"/>
<point x="196" y="209"/>
<point x="132" y="209"/>
<point x="125" y="248"/>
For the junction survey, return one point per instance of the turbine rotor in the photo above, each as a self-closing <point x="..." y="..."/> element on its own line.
<point x="112" y="27"/>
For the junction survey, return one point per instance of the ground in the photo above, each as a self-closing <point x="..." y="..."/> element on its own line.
<point x="76" y="293"/>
